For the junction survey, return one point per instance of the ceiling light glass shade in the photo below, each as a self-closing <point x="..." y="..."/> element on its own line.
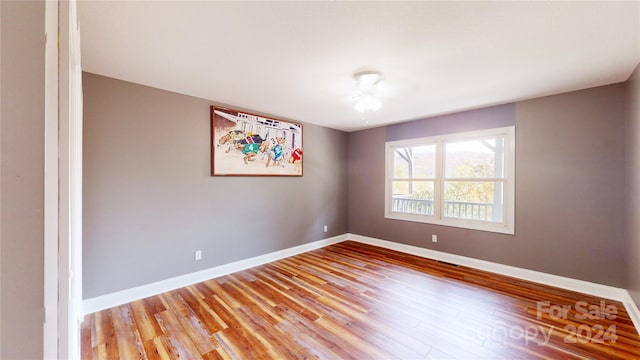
<point x="368" y="85"/>
<point x="367" y="80"/>
<point x="368" y="102"/>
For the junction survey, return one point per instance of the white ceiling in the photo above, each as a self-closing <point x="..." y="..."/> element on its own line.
<point x="295" y="60"/>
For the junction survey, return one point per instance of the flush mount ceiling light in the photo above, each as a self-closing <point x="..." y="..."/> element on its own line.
<point x="368" y="85"/>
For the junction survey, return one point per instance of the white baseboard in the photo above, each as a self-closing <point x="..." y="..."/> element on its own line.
<point x="586" y="287"/>
<point x="128" y="295"/>
<point x="124" y="296"/>
<point x="632" y="310"/>
<point x="604" y="291"/>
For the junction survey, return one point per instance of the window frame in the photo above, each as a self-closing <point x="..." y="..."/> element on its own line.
<point x="507" y="226"/>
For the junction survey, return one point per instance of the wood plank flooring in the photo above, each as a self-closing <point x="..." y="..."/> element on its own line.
<point x="356" y="301"/>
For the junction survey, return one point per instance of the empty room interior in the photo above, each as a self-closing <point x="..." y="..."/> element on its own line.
<point x="320" y="180"/>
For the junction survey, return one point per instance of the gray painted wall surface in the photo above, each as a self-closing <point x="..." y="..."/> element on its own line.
<point x="569" y="191"/>
<point x="633" y="186"/>
<point x="22" y="179"/>
<point x="149" y="201"/>
<point x="0" y="180"/>
<point x="480" y="119"/>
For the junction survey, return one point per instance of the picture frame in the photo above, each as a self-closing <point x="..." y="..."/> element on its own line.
<point x="246" y="144"/>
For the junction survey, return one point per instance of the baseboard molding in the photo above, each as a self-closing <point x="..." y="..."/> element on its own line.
<point x="605" y="291"/>
<point x="632" y="310"/>
<point x="125" y="296"/>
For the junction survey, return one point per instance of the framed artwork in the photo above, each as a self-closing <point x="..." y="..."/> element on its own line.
<point x="245" y="144"/>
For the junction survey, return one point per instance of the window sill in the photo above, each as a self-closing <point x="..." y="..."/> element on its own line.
<point x="458" y="223"/>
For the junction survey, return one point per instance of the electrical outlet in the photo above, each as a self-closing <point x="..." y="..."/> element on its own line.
<point x="434" y="238"/>
<point x="198" y="255"/>
<point x="325" y="228"/>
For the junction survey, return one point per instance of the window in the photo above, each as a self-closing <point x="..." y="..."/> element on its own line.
<point x="463" y="180"/>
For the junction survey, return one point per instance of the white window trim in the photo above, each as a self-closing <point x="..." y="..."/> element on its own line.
<point x="508" y="224"/>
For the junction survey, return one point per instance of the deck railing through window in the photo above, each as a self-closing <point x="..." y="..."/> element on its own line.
<point x="412" y="206"/>
<point x="454" y="209"/>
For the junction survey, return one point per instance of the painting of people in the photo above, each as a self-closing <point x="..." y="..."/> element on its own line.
<point x="245" y="144"/>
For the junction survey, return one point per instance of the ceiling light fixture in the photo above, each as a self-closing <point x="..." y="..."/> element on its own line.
<point x="368" y="85"/>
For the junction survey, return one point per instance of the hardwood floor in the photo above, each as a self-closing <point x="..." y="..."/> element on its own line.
<point x="356" y="301"/>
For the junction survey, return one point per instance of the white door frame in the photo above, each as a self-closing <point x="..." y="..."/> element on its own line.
<point x="70" y="167"/>
<point x="63" y="185"/>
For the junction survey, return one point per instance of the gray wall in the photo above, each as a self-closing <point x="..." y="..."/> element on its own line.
<point x="633" y="186"/>
<point x="1" y="324"/>
<point x="22" y="179"/>
<point x="150" y="202"/>
<point x="480" y="119"/>
<point x="569" y="190"/>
